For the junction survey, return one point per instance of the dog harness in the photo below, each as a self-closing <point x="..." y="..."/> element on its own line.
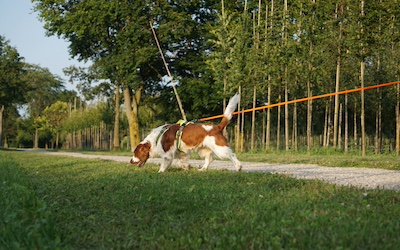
<point x="162" y="131"/>
<point x="182" y="124"/>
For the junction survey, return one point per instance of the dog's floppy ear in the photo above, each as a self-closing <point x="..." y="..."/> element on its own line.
<point x="141" y="154"/>
<point x="146" y="148"/>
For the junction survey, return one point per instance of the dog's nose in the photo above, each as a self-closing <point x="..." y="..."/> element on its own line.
<point x="131" y="161"/>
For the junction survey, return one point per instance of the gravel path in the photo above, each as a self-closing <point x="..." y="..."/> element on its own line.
<point x="369" y="178"/>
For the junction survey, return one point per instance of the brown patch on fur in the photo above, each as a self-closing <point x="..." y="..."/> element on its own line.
<point x="194" y="134"/>
<point x="220" y="139"/>
<point x="168" y="138"/>
<point x="223" y="123"/>
<point x="142" y="152"/>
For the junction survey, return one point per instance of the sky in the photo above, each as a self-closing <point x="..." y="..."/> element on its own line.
<point x="20" y="25"/>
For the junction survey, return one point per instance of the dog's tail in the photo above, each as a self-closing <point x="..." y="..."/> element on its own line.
<point x="230" y="108"/>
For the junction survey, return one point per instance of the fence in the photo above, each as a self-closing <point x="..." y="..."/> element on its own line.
<point x="101" y="137"/>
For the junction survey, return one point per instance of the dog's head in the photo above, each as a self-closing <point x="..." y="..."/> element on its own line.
<point x="141" y="154"/>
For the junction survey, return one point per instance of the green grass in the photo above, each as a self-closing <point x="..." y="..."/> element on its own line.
<point x="25" y="219"/>
<point x="69" y="203"/>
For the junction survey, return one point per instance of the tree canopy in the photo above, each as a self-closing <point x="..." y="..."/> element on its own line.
<point x="273" y="50"/>
<point x="11" y="70"/>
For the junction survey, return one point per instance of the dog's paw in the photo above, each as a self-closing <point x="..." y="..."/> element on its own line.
<point x="187" y="167"/>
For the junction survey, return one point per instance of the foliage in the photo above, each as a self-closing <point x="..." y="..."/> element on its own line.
<point x="87" y="117"/>
<point x="10" y="119"/>
<point x="89" y="82"/>
<point x="85" y="203"/>
<point x="11" y="68"/>
<point x="209" y="45"/>
<point x="11" y="83"/>
<point x="117" y="44"/>
<point x="42" y="89"/>
<point x="55" y="115"/>
<point x="25" y="130"/>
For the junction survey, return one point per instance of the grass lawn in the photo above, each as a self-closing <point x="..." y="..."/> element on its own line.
<point x="49" y="202"/>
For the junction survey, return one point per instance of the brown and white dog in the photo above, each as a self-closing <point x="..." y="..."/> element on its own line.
<point x="205" y="139"/>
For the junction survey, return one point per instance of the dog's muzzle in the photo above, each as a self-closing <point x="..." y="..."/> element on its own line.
<point x="139" y="163"/>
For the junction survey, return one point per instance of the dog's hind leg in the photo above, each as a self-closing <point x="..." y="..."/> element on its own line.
<point x="207" y="154"/>
<point x="225" y="152"/>
<point x="165" y="164"/>
<point x="235" y="161"/>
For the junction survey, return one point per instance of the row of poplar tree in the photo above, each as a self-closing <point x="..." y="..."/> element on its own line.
<point x="273" y="50"/>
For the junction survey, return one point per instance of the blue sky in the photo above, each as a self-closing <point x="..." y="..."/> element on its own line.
<point x="20" y="25"/>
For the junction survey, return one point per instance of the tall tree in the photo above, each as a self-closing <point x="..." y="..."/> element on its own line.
<point x="118" y="42"/>
<point x="340" y="17"/>
<point x="55" y="115"/>
<point x="223" y="40"/>
<point x="12" y="86"/>
<point x="42" y="90"/>
<point x="121" y="42"/>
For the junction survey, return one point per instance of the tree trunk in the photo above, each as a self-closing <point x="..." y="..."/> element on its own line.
<point x="237" y="141"/>
<point x="378" y="125"/>
<point x="36" y="139"/>
<point x="325" y="126"/>
<point x="328" y="134"/>
<point x="309" y="116"/>
<point x="131" y="107"/>
<point x="285" y="41"/>
<point x="339" y="140"/>
<point x="363" y="146"/>
<point x="377" y="132"/>
<point x="263" y="129"/>
<point x="57" y="138"/>
<point x="253" y="119"/>
<point x="294" y="133"/>
<point x="268" y="133"/>
<point x="338" y="62"/>
<point x="346" y="125"/>
<point x="362" y="73"/>
<point x="336" y="112"/>
<point x="242" y="146"/>
<point x="1" y="125"/>
<point x="278" y="126"/>
<point x="397" y="113"/>
<point x="286" y="114"/>
<point x="309" y="91"/>
<point x="116" y="143"/>
<point x="355" y="127"/>
<point x="224" y="132"/>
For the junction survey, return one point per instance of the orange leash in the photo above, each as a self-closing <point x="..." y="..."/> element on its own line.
<point x="344" y="92"/>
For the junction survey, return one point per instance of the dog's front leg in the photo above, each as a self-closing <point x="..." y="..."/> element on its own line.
<point x="165" y="164"/>
<point x="183" y="161"/>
